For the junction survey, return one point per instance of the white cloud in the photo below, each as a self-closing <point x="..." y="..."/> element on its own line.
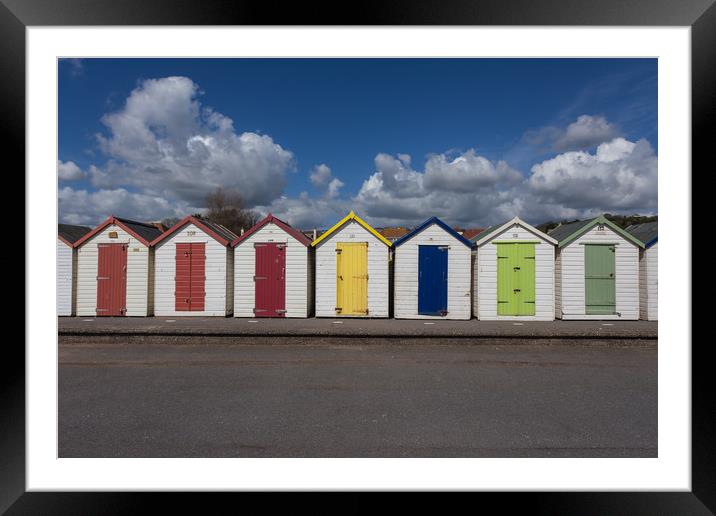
<point x="69" y="171"/>
<point x="322" y="178"/>
<point x="463" y="189"/>
<point x="584" y="133"/>
<point x="620" y="176"/>
<point x="91" y="208"/>
<point x="165" y="143"/>
<point x="305" y="212"/>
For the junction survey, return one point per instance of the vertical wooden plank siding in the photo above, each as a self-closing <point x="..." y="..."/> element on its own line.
<point x="599" y="281"/>
<point x="351" y="278"/>
<point x="111" y="280"/>
<point x="270" y="280"/>
<point x="137" y="291"/>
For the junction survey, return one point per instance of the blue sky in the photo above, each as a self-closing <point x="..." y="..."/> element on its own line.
<point x="309" y="138"/>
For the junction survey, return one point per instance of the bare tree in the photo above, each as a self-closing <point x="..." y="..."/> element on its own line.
<point x="226" y="207"/>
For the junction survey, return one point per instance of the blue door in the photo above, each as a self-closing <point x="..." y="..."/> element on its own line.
<point x="432" y="279"/>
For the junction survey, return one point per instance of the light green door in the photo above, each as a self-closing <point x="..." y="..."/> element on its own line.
<point x="599" y="279"/>
<point x="515" y="279"/>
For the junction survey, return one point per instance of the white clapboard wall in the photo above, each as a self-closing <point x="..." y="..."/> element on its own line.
<point x="485" y="276"/>
<point x="378" y="256"/>
<point x="217" y="286"/>
<point x="138" y="284"/>
<point x="405" y="286"/>
<point x="571" y="276"/>
<point x="299" y="273"/>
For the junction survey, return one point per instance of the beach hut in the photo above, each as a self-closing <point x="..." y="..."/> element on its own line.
<point x="114" y="269"/>
<point x="194" y="269"/>
<point x="67" y="235"/>
<point x="514" y="273"/>
<point x="273" y="265"/>
<point x="648" y="234"/>
<point x="432" y="273"/>
<point x="352" y="270"/>
<point x="597" y="271"/>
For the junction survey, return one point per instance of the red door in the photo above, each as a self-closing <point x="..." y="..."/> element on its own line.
<point x="111" y="279"/>
<point x="270" y="280"/>
<point x="189" y="292"/>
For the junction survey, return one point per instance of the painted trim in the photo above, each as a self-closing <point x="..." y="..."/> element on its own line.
<point x="427" y="224"/>
<point x="303" y="239"/>
<point x="601" y="220"/>
<point x="190" y="219"/>
<point x="111" y="220"/>
<point x="65" y="241"/>
<point x="347" y="218"/>
<point x="493" y="234"/>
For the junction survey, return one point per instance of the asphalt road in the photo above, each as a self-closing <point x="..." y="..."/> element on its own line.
<point x="356" y="401"/>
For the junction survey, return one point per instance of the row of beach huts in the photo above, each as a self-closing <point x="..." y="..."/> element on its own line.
<point x="590" y="269"/>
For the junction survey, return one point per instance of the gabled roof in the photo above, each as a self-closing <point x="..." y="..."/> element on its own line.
<point x="434" y="220"/>
<point x="214" y="230"/>
<point x="70" y="234"/>
<point x="493" y="231"/>
<point x="298" y="235"/>
<point x="142" y="231"/>
<point x="351" y="217"/>
<point x="567" y="233"/>
<point x="647" y="232"/>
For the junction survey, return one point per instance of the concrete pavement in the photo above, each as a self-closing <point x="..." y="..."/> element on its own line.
<point x="349" y="328"/>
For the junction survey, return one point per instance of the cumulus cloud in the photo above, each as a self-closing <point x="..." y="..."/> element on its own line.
<point x="460" y="189"/>
<point x="584" y="133"/>
<point x="90" y="208"/>
<point x="165" y="144"/>
<point x="306" y="212"/>
<point x="69" y="171"/>
<point x="322" y="178"/>
<point x="620" y="176"/>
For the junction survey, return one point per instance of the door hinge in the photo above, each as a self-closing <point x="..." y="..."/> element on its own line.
<point x="280" y="311"/>
<point x="339" y="251"/>
<point x="338" y="309"/>
<point x="102" y="277"/>
<point x="256" y="310"/>
<point x="259" y="278"/>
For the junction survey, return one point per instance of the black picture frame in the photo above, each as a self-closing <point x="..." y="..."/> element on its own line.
<point x="700" y="15"/>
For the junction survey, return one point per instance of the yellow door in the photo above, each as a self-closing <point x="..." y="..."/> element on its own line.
<point x="352" y="278"/>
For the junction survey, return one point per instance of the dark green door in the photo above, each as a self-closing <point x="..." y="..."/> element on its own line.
<point x="600" y="291"/>
<point x="515" y="279"/>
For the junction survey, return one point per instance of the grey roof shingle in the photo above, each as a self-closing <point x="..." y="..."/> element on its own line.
<point x="646" y="231"/>
<point x="72" y="233"/>
<point x="144" y="229"/>
<point x="565" y="230"/>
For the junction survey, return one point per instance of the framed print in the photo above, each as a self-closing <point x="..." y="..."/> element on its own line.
<point x="546" y="129"/>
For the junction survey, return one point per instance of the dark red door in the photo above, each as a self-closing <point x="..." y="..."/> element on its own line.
<point x="270" y="280"/>
<point x="111" y="279"/>
<point x="189" y="291"/>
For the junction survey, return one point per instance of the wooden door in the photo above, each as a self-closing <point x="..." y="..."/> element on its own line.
<point x="111" y="279"/>
<point x="270" y="280"/>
